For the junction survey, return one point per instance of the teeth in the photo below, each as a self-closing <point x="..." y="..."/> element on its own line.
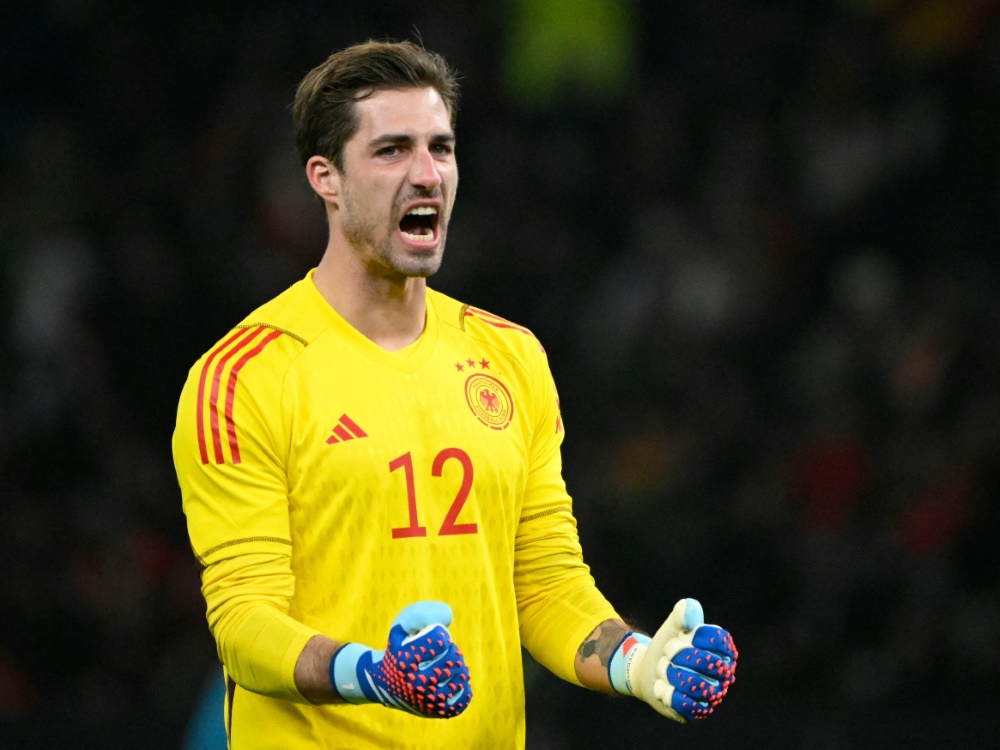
<point x="418" y="237"/>
<point x="422" y="211"/>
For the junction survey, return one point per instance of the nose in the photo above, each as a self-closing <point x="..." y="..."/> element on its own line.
<point x="424" y="170"/>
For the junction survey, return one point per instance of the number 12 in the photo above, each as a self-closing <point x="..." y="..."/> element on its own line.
<point x="449" y="527"/>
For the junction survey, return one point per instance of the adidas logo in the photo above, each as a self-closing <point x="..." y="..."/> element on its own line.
<point x="347" y="429"/>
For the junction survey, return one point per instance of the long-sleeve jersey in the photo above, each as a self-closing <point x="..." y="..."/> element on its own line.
<point x="328" y="483"/>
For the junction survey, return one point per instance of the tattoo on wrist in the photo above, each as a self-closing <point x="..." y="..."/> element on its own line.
<point x="602" y="642"/>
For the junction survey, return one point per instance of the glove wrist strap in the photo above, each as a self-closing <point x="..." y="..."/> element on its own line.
<point x="627" y="652"/>
<point x="348" y="676"/>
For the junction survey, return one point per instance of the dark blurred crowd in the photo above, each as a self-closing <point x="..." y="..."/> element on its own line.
<point x="758" y="241"/>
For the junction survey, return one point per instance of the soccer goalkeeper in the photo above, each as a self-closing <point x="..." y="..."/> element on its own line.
<point x="371" y="471"/>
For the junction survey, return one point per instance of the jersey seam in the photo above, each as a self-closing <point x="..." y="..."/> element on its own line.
<point x="275" y="328"/>
<point x="544" y="513"/>
<point x="502" y="345"/>
<point x="278" y="540"/>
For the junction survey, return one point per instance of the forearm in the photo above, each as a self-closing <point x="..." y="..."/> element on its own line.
<point x="260" y="644"/>
<point x="558" y="602"/>
<point x="594" y="655"/>
<point x="312" y="670"/>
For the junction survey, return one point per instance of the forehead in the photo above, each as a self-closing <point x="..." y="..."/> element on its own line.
<point x="412" y="111"/>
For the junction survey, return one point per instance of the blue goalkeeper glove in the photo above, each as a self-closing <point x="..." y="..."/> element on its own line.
<point x="684" y="671"/>
<point x="421" y="671"/>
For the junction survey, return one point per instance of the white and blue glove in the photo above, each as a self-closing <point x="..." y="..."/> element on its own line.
<point x="684" y="671"/>
<point x="421" y="671"/>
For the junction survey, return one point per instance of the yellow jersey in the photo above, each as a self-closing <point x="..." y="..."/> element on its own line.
<point x="328" y="483"/>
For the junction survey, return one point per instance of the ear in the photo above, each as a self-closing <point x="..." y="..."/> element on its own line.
<point x="323" y="178"/>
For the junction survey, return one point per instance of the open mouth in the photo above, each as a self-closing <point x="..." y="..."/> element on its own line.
<point x="420" y="224"/>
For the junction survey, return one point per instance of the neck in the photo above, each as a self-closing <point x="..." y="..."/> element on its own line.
<point x="389" y="310"/>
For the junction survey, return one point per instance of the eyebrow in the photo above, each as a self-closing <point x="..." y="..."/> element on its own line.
<point x="396" y="139"/>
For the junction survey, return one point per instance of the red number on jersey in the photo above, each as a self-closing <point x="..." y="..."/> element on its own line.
<point x="449" y="527"/>
<point x="414" y="529"/>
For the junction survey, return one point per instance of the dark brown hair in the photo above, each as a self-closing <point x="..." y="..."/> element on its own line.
<point x="324" y="114"/>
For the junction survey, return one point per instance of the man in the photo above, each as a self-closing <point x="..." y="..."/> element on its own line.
<point x="361" y="454"/>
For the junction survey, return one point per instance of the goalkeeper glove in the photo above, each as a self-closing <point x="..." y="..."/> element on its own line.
<point x="684" y="671"/>
<point x="421" y="671"/>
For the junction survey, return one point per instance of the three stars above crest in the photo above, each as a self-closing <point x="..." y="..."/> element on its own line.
<point x="484" y="364"/>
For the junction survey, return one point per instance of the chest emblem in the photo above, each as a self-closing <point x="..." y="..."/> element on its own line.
<point x="489" y="400"/>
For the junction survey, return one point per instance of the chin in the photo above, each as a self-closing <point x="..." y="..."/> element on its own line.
<point x="419" y="265"/>
<point x="422" y="270"/>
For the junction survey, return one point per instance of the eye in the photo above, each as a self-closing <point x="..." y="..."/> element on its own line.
<point x="441" y="148"/>
<point x="387" y="151"/>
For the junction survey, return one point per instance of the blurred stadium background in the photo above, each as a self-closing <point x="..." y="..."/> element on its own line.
<point x="759" y="241"/>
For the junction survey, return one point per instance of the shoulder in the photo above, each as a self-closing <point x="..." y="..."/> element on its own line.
<point x="489" y="328"/>
<point x="293" y="313"/>
<point x="265" y="342"/>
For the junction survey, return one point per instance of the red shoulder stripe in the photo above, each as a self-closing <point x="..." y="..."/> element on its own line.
<point x="497" y="322"/>
<point x="202" y="447"/>
<point x="494" y="320"/>
<point x="234" y="448"/>
<point x="213" y="404"/>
